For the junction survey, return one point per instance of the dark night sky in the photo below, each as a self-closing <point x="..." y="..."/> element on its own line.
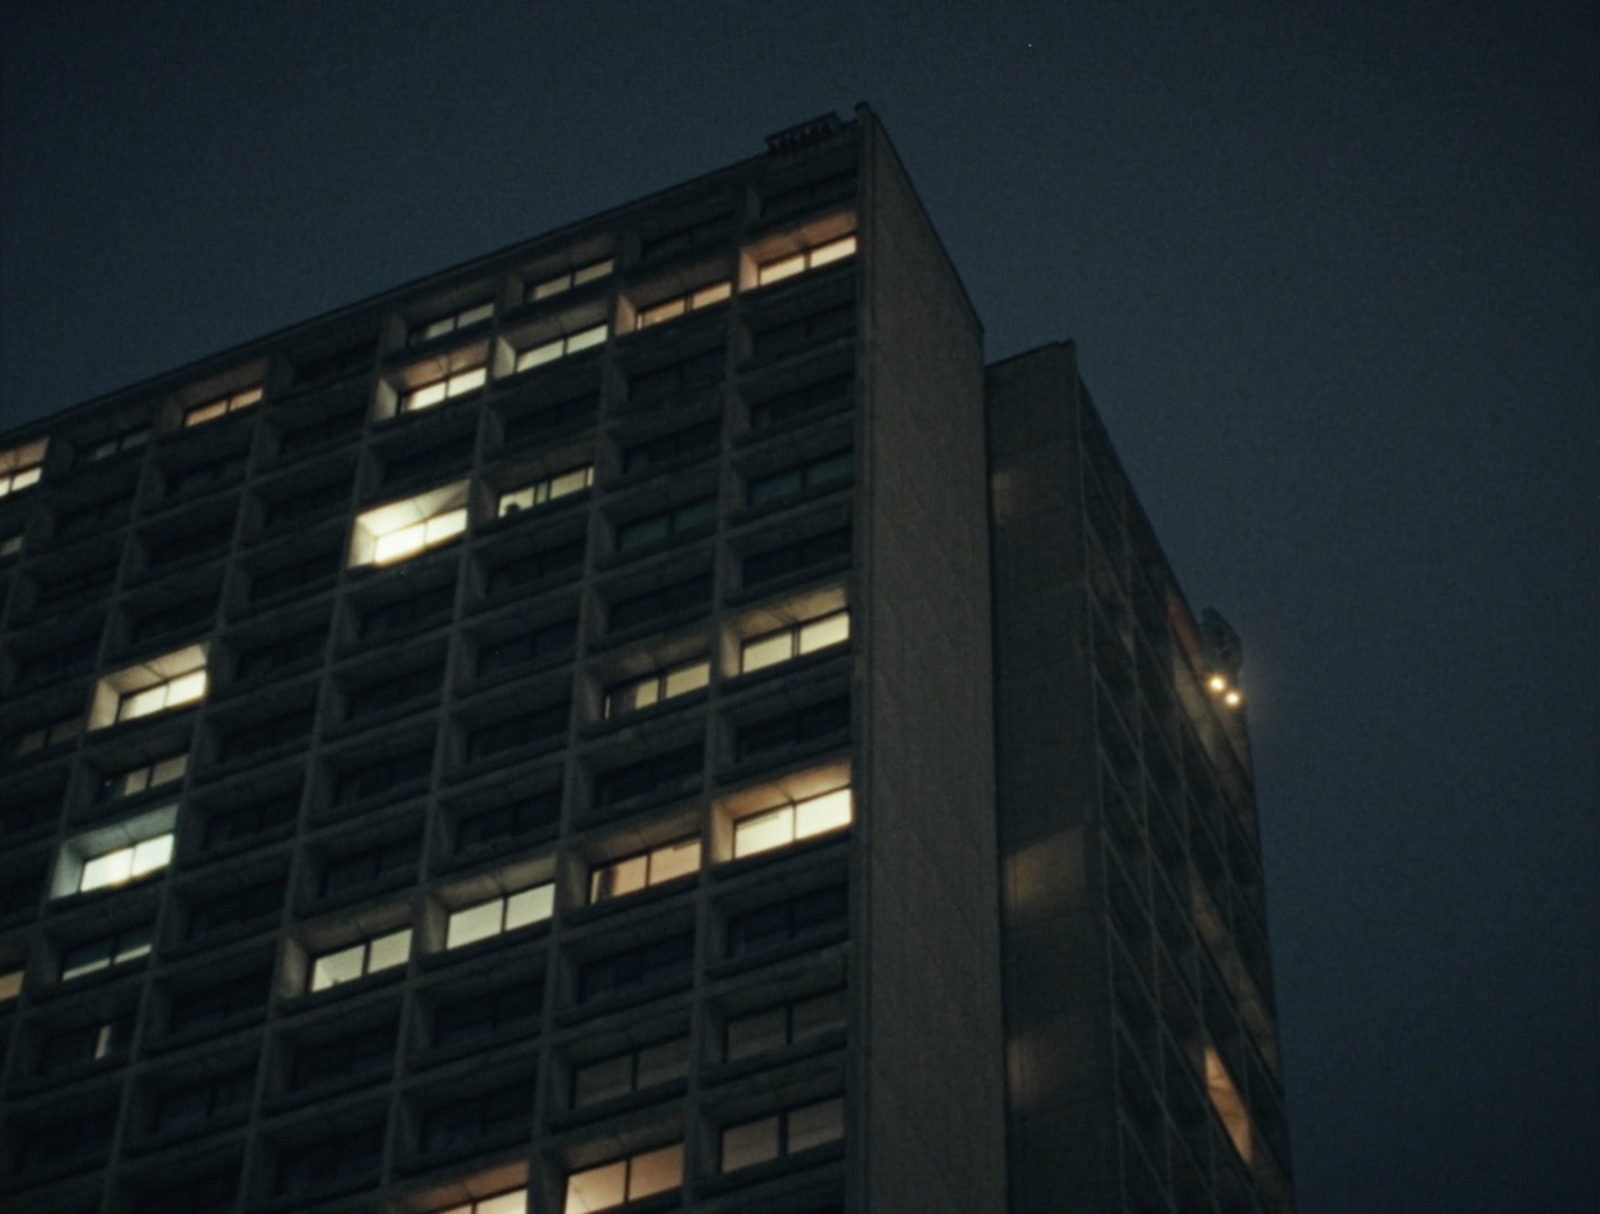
<point x="1332" y="270"/>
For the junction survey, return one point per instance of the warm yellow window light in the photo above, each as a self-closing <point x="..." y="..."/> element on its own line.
<point x="550" y="351"/>
<point x="22" y="466"/>
<point x="792" y="823"/>
<point x="440" y="390"/>
<point x="815" y="258"/>
<point x="795" y="640"/>
<point x="170" y="681"/>
<point x="681" y="305"/>
<point x="1229" y="1105"/>
<point x="402" y="529"/>
<point x="547" y="490"/>
<point x="565" y="282"/>
<point x="221" y="407"/>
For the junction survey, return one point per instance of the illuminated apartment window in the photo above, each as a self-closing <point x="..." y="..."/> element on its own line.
<point x="173" y="680"/>
<point x="547" y="490"/>
<point x="498" y="915"/>
<point x="624" y="1180"/>
<point x="221" y="407"/>
<point x="630" y="875"/>
<point x="630" y="1072"/>
<point x="796" y="640"/>
<point x="786" y="824"/>
<point x="1229" y="1106"/>
<point x="775" y="1027"/>
<point x="663" y="685"/>
<point x="368" y="957"/>
<point x="438" y="327"/>
<point x="10" y="985"/>
<point x="682" y="305"/>
<point x="592" y="272"/>
<point x="786" y="1133"/>
<point x="426" y="396"/>
<point x="514" y="1202"/>
<point x="806" y="260"/>
<point x="96" y="955"/>
<point x="405" y="528"/>
<point x="22" y="466"/>
<point x="116" y="854"/>
<point x="561" y="347"/>
<point x="141" y="779"/>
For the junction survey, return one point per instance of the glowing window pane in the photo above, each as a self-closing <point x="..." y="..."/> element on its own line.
<point x="110" y="869"/>
<point x="572" y="482"/>
<point x="662" y="312"/>
<point x="585" y="339"/>
<point x="10" y="985"/>
<point x="333" y="968"/>
<point x="510" y="503"/>
<point x="530" y="906"/>
<point x="472" y="316"/>
<point x="389" y="951"/>
<point x="468" y="381"/>
<point x="589" y="273"/>
<point x="442" y="527"/>
<point x="836" y="250"/>
<point x="615" y="880"/>
<point x="675" y="860"/>
<point x="819" y="814"/>
<point x="686" y="679"/>
<point x="766" y="651"/>
<point x="1226" y="1100"/>
<point x="168" y="769"/>
<point x="763" y="832"/>
<point x="398" y="544"/>
<point x="426" y="397"/>
<point x="551" y="286"/>
<point x="537" y="356"/>
<point x="474" y="923"/>
<point x="655" y="1171"/>
<point x="829" y="630"/>
<point x="142" y="703"/>
<point x="784" y="267"/>
<point x="505" y="1203"/>
<point x="248" y="397"/>
<point x="186" y="689"/>
<point x="715" y="293"/>
<point x="816" y="1124"/>
<point x="752" y="1143"/>
<point x="597" y="1188"/>
<point x="151" y="855"/>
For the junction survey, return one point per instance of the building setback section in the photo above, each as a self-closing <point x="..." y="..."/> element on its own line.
<point x="640" y="721"/>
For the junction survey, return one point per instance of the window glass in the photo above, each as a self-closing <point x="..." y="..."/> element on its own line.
<point x="221" y="407"/>
<point x="756" y="1034"/>
<point x="652" y="689"/>
<point x="794" y="640"/>
<point x="10" y="985"/>
<point x="426" y="396"/>
<point x="603" y="1080"/>
<point x="548" y="490"/>
<point x="814" y="1125"/>
<point x="497" y="915"/>
<point x="574" y="278"/>
<point x="550" y="351"/>
<point x="682" y="305"/>
<point x="751" y="1143"/>
<point x="764" y="831"/>
<point x="401" y="529"/>
<point x="597" y="1188"/>
<point x="811" y="259"/>
<point x="655" y="1171"/>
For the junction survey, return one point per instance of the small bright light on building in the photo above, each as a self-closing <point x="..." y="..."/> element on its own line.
<point x="1217" y="683"/>
<point x="1232" y="699"/>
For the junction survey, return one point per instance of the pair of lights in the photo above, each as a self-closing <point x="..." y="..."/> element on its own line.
<point x="1218" y="686"/>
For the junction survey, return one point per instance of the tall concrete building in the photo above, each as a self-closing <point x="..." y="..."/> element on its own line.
<point x="645" y="720"/>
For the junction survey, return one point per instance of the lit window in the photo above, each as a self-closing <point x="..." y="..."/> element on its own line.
<point x="664" y="685"/>
<point x="221" y="407"/>
<point x="96" y="955"/>
<point x="815" y="258"/>
<point x="787" y="1133"/>
<point x="463" y="319"/>
<point x="514" y="1202"/>
<point x="630" y="1072"/>
<point x="797" y="640"/>
<point x="625" y="1180"/>
<point x="22" y="466"/>
<point x="547" y="490"/>
<point x="786" y="1024"/>
<point x="644" y="870"/>
<point x="402" y="529"/>
<point x="1229" y="1106"/>
<point x="426" y="396"/>
<point x="592" y="272"/>
<point x="174" y="680"/>
<point x="786" y="824"/>
<point x="10" y="985"/>
<point x="368" y="957"/>
<point x="126" y="863"/>
<point x="550" y="351"/>
<point x="141" y="779"/>
<point x="682" y="305"/>
<point x="506" y="914"/>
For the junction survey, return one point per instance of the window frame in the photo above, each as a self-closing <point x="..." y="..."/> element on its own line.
<point x="365" y="946"/>
<point x="22" y="467"/>
<point x="542" y="492"/>
<point x="222" y="406"/>
<point x="541" y="899"/>
<point x="180" y="675"/>
<point x="597" y="873"/>
<point x="437" y="516"/>
<point x="667" y="683"/>
<point x="573" y="1203"/>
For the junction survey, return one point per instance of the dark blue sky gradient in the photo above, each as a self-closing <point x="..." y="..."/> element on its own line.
<point x="1333" y="274"/>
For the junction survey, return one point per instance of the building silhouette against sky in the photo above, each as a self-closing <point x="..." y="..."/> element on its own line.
<point x="646" y="720"/>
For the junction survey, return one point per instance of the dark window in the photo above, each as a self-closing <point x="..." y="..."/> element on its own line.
<point x="814" y="476"/>
<point x="205" y="476"/>
<point x="30" y="815"/>
<point x="79" y="1137"/>
<point x="195" y="615"/>
<point x="370" y="866"/>
<point x="535" y="727"/>
<point x="824" y="910"/>
<point x="665" y="600"/>
<point x="654" y="528"/>
<point x="210" y="1006"/>
<point x="330" y="1061"/>
<point x="192" y="545"/>
<point x="508" y="821"/>
<point x="252" y="820"/>
<point x="103" y="515"/>
<point x="579" y="412"/>
<point x="340" y="363"/>
<point x="306" y="502"/>
<point x="436" y="602"/>
<point x="85" y="1044"/>
<point x="483" y="1014"/>
<point x="383" y="775"/>
<point x="94" y="955"/>
<point x="259" y="736"/>
<point x="296" y="575"/>
<point x="196" y="1103"/>
<point x="647" y="775"/>
<point x="655" y="962"/>
<point x="691" y="236"/>
<point x="305" y="1167"/>
<point x="681" y="378"/>
<point x="451" y="455"/>
<point x="321" y="431"/>
<point x="275" y="655"/>
<point x="704" y="439"/>
<point x="463" y="1121"/>
<point x="132" y="439"/>
<point x="213" y="1193"/>
<point x="805" y="330"/>
<point x="391" y="692"/>
<point x="792" y="729"/>
<point x="809" y="197"/>
<point x="20" y="895"/>
<point x="86" y="582"/>
<point x="62" y="660"/>
<point x="562" y="558"/>
<point x="558" y="637"/>
<point x="792" y="558"/>
<point x="236" y="907"/>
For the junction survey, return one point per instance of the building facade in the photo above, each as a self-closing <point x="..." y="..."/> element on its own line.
<point x="644" y="720"/>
